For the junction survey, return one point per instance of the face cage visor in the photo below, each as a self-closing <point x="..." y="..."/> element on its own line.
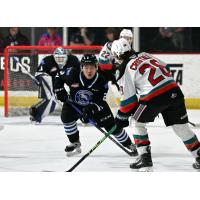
<point x="60" y="60"/>
<point x="129" y="39"/>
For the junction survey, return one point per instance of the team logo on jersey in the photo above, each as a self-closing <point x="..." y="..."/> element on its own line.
<point x="42" y="62"/>
<point x="83" y="97"/>
<point x="67" y="72"/>
<point x="95" y="90"/>
<point x="174" y="95"/>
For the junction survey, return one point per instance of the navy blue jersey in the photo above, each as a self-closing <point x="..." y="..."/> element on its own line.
<point x="49" y="66"/>
<point x="83" y="91"/>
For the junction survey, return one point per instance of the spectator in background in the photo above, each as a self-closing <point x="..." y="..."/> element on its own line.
<point x="14" y="38"/>
<point x="1" y="44"/>
<point x="169" y="39"/>
<point x="111" y="34"/>
<point x="178" y="38"/>
<point x="83" y="36"/>
<point x="51" y="38"/>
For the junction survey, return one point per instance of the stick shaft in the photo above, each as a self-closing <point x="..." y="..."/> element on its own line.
<point x="100" y="129"/>
<point x="91" y="150"/>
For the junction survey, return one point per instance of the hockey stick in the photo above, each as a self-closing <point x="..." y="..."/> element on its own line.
<point x="194" y="124"/>
<point x="91" y="150"/>
<point x="25" y="71"/>
<point x="100" y="129"/>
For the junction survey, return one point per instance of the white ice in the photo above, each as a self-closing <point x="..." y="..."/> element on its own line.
<point x="29" y="148"/>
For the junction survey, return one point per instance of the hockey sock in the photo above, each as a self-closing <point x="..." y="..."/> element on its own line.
<point x="123" y="138"/>
<point x="188" y="137"/>
<point x="72" y="131"/>
<point x="192" y="145"/>
<point x="141" y="140"/>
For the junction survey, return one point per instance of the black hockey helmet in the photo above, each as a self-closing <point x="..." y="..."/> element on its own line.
<point x="89" y="59"/>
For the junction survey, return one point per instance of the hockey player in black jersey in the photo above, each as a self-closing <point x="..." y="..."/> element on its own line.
<point x="87" y="91"/>
<point x="46" y="72"/>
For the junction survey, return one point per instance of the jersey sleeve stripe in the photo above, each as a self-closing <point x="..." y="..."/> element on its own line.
<point x="131" y="99"/>
<point x="104" y="62"/>
<point x="105" y="66"/>
<point x="128" y="104"/>
<point x="129" y="107"/>
<point x="159" y="90"/>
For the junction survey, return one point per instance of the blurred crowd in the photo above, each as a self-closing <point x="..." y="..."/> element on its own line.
<point x="152" y="39"/>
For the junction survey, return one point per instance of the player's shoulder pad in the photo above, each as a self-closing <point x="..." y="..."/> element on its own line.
<point x="47" y="60"/>
<point x="73" y="61"/>
<point x="73" y="58"/>
<point x="108" y="45"/>
<point x="102" y="78"/>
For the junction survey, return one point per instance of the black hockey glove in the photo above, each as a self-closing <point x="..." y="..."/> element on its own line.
<point x="89" y="111"/>
<point x="61" y="94"/>
<point x="121" y="120"/>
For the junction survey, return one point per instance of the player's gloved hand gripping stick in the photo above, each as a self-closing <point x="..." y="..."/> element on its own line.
<point x="99" y="128"/>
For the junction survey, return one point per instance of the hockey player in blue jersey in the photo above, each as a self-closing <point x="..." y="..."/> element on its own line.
<point x="87" y="91"/>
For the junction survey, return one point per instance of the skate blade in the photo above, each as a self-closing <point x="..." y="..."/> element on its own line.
<point x="133" y="154"/>
<point x="35" y="123"/>
<point x="73" y="153"/>
<point x="146" y="169"/>
<point x="197" y="167"/>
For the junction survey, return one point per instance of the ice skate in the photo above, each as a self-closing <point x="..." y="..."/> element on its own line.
<point x="34" y="121"/>
<point x="133" y="150"/>
<point x="73" y="149"/>
<point x="144" y="162"/>
<point x="196" y="165"/>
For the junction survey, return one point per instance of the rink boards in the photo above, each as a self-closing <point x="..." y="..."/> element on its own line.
<point x="184" y="68"/>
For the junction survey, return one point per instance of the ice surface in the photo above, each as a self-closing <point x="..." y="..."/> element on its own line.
<point x="28" y="148"/>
